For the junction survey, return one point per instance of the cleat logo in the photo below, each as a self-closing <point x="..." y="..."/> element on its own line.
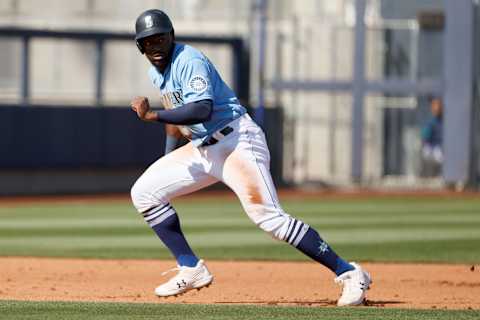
<point x="181" y="284"/>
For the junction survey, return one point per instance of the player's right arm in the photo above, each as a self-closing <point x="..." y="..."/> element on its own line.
<point x="190" y="113"/>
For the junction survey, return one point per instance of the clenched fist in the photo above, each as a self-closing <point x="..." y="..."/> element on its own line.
<point x="142" y="107"/>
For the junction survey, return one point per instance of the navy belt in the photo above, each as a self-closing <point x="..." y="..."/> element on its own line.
<point x="222" y="133"/>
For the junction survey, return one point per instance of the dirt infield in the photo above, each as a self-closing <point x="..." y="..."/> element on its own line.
<point x="426" y="286"/>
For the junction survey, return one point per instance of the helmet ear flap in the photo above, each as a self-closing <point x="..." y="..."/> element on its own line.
<point x="140" y="47"/>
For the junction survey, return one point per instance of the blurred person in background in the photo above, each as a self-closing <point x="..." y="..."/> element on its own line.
<point x="431" y="134"/>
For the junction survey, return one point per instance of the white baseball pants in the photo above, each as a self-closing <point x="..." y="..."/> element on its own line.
<point x="240" y="159"/>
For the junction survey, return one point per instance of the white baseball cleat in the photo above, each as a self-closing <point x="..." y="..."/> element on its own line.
<point x="188" y="278"/>
<point x="355" y="285"/>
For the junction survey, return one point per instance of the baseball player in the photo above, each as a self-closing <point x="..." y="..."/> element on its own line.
<point x="225" y="145"/>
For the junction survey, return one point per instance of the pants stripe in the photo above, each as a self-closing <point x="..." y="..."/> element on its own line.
<point x="265" y="179"/>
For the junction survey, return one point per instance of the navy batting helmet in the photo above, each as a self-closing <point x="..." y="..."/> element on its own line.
<point x="151" y="22"/>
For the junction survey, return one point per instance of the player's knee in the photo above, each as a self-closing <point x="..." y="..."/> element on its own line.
<point x="141" y="196"/>
<point x="272" y="220"/>
<point x="277" y="227"/>
<point x="136" y="195"/>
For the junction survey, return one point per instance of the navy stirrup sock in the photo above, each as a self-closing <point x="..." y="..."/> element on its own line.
<point x="313" y="246"/>
<point x="170" y="233"/>
<point x="164" y="221"/>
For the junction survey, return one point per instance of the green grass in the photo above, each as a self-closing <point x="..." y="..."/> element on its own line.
<point x="411" y="229"/>
<point x="13" y="310"/>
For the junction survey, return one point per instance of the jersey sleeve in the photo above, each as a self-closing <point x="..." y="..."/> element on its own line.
<point x="196" y="81"/>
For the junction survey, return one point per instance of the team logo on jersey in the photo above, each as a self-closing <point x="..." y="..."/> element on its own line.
<point x="148" y="22"/>
<point x="198" y="84"/>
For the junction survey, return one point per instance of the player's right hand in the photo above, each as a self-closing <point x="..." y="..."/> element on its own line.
<point x="142" y="107"/>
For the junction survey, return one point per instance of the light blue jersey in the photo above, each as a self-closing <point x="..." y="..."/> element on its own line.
<point x="192" y="77"/>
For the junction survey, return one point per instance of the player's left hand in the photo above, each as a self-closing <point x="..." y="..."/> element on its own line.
<point x="142" y="107"/>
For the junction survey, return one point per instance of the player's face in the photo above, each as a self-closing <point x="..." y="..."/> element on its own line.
<point x="157" y="49"/>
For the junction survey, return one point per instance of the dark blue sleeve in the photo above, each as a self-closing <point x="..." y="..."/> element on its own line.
<point x="190" y="113"/>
